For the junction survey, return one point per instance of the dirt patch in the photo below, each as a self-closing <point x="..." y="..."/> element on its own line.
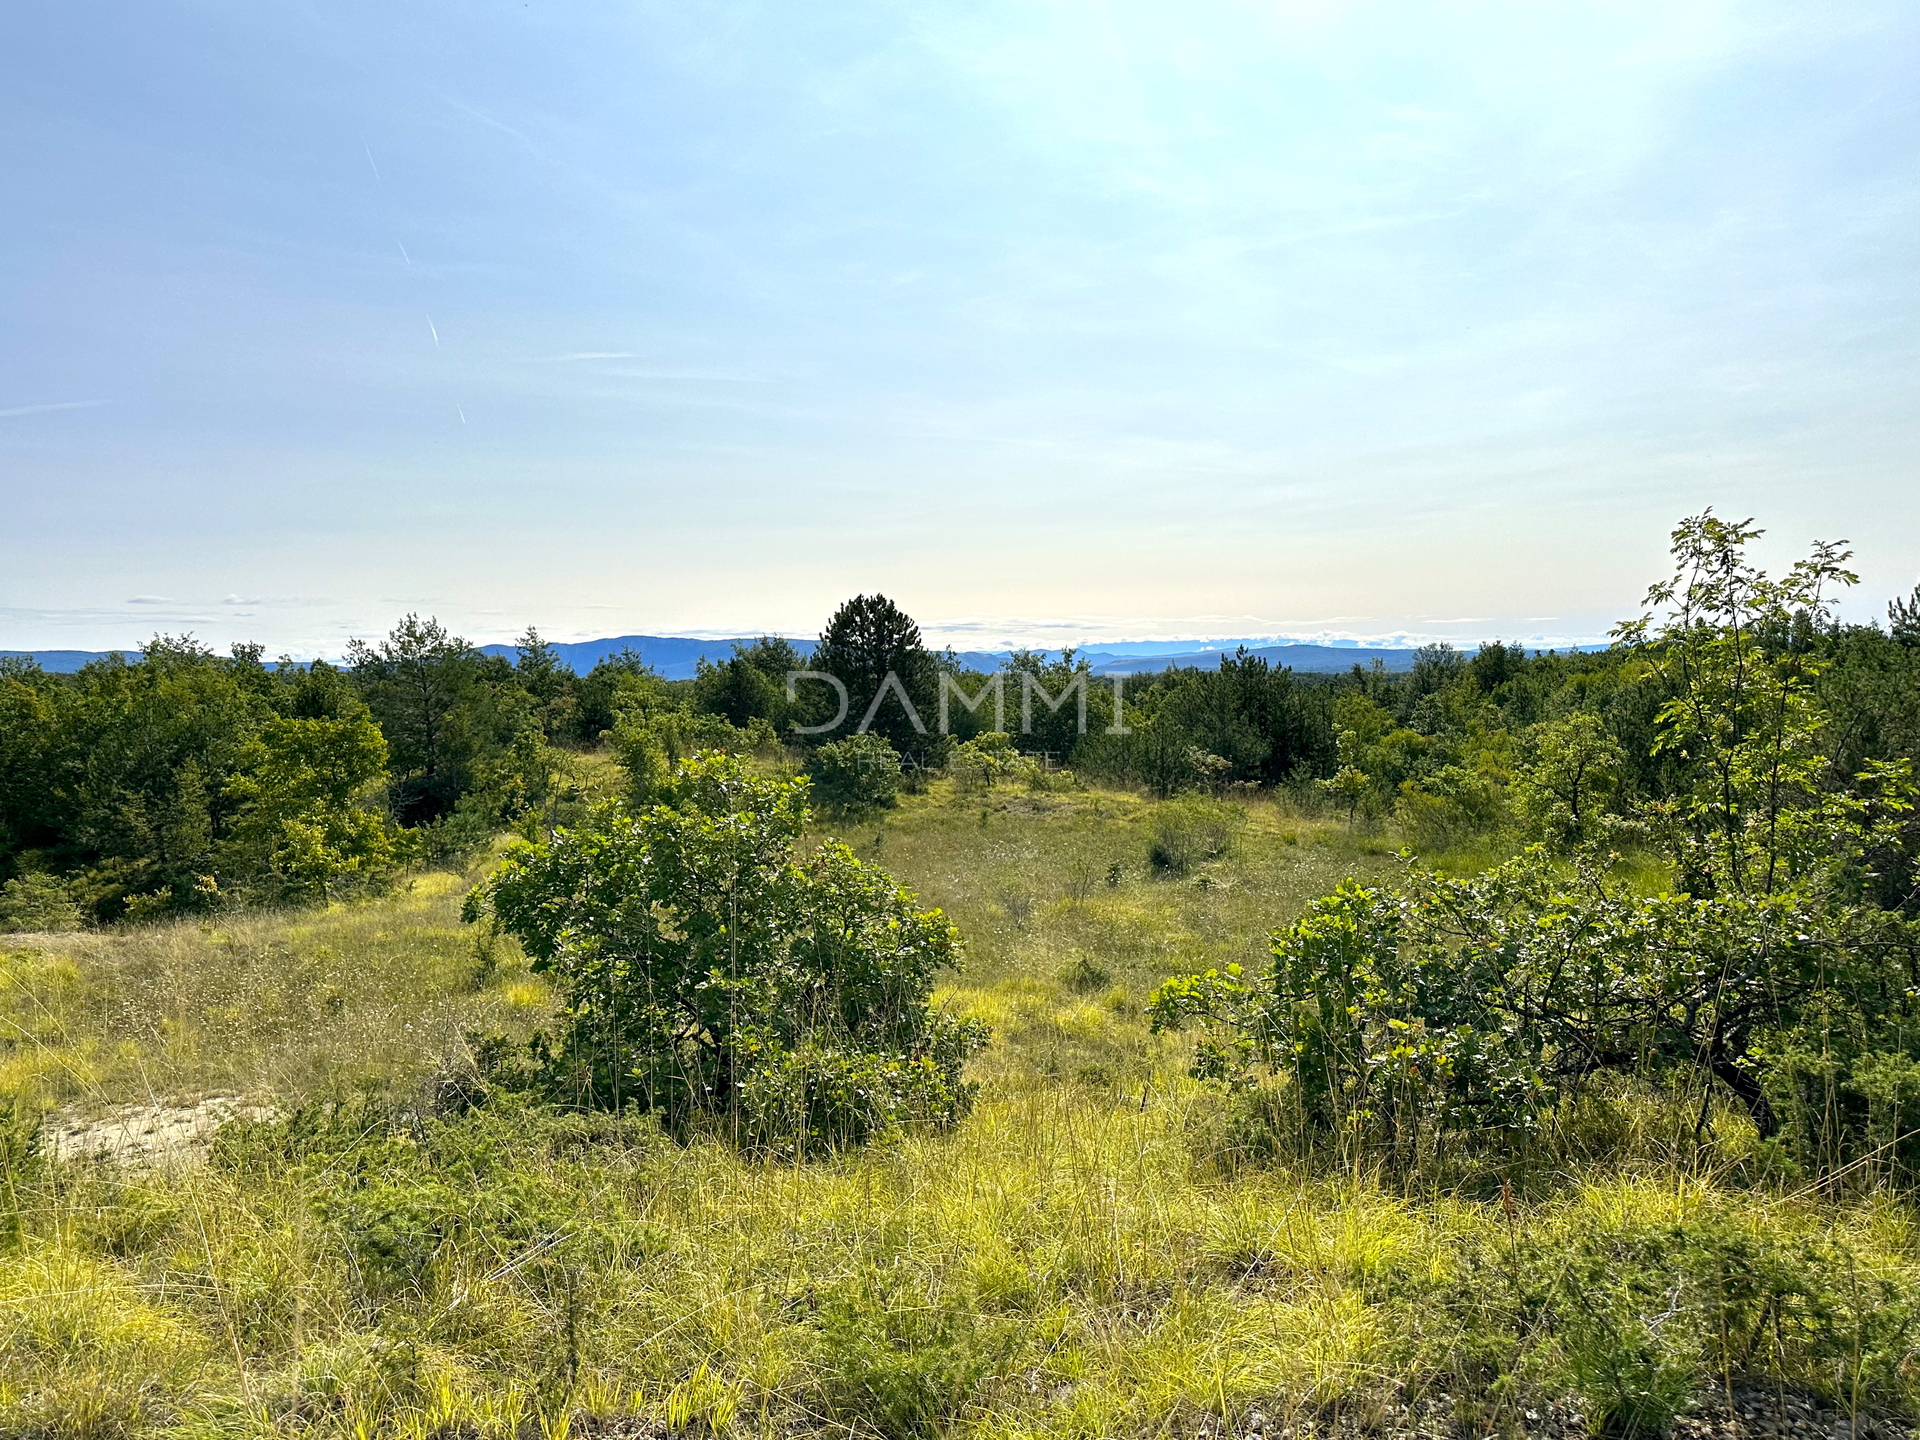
<point x="149" y="1136"/>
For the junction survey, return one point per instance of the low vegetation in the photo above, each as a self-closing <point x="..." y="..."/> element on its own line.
<point x="1525" y="1043"/>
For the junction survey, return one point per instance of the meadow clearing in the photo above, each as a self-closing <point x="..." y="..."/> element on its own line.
<point x="1104" y="1247"/>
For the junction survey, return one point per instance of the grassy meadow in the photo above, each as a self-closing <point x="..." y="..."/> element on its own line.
<point x="1105" y="1247"/>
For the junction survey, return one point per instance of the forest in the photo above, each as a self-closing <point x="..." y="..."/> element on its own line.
<point x="1528" y="1043"/>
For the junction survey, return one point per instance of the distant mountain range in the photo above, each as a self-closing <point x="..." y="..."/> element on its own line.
<point x="59" y="662"/>
<point x="678" y="657"/>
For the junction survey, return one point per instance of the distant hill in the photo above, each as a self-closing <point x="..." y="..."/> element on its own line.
<point x="1307" y="659"/>
<point x="64" y="662"/>
<point x="678" y="657"/>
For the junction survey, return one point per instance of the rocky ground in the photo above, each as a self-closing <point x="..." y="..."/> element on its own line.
<point x="146" y="1137"/>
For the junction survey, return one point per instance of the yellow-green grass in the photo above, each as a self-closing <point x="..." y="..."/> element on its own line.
<point x="1076" y="1259"/>
<point x="266" y="1005"/>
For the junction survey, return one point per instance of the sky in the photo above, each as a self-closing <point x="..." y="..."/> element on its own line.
<point x="1052" y="320"/>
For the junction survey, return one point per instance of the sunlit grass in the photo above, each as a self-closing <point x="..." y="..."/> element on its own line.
<point x="1085" y="1256"/>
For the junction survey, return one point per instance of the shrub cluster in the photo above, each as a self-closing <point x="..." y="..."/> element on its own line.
<point x="709" y="974"/>
<point x="1470" y="1014"/>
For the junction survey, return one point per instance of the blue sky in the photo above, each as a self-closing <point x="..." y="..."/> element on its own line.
<point x="1052" y="320"/>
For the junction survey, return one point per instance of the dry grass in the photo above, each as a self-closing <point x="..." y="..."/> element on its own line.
<point x="268" y="1006"/>
<point x="1076" y="1259"/>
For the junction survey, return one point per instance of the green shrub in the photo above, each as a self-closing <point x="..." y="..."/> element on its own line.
<point x="1632" y="1353"/>
<point x="705" y="972"/>
<point x="1189" y="832"/>
<point x="900" y="1366"/>
<point x="1448" y="806"/>
<point x="859" y="773"/>
<point x="37" y="902"/>
<point x="984" y="761"/>
<point x="651" y="743"/>
<point x="1468" y="1013"/>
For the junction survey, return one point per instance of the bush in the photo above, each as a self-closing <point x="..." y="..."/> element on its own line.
<point x="1451" y="805"/>
<point x="1473" y="1014"/>
<point x="1187" y="833"/>
<point x="652" y="742"/>
<point x="859" y="773"/>
<point x="982" y="762"/>
<point x="37" y="902"/>
<point x="705" y="973"/>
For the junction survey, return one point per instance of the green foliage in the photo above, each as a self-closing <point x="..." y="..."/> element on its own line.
<point x="1744" y="715"/>
<point x="1648" y="1311"/>
<point x="1348" y="786"/>
<point x="141" y="784"/>
<point x="977" y="765"/>
<point x="604" y="691"/>
<point x="1474" y="1012"/>
<point x="186" y="780"/>
<point x="306" y="821"/>
<point x="37" y="902"/>
<point x="1451" y="804"/>
<point x="707" y="972"/>
<point x="427" y="689"/>
<point x="651" y="743"/>
<point x="530" y="786"/>
<point x="1567" y="784"/>
<point x="403" y="1191"/>
<point x="1903" y="619"/>
<point x="441" y="1259"/>
<point x="902" y="1367"/>
<point x="1246" y="722"/>
<point x="751" y="685"/>
<point x="549" y="682"/>
<point x="859" y="773"/>
<point x="868" y="639"/>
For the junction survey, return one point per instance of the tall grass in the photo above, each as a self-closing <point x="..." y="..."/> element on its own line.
<point x="1102" y="1249"/>
<point x="263" y="1004"/>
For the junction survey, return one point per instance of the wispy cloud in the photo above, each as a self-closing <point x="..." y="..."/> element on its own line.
<point x="12" y="411"/>
<point x="654" y="372"/>
<point x="485" y="119"/>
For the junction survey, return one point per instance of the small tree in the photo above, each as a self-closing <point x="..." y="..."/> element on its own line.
<point x="1567" y="783"/>
<point x="705" y="971"/>
<point x="867" y="639"/>
<point x="37" y="902"/>
<point x="1903" y="619"/>
<point x="414" y="682"/>
<point x="1350" y="785"/>
<point x="310" y="824"/>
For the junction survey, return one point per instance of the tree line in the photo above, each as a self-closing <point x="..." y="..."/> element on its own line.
<point x="181" y="779"/>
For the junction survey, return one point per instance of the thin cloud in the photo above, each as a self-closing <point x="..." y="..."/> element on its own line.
<point x="45" y="409"/>
<point x="669" y="372"/>
<point x="484" y="119"/>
